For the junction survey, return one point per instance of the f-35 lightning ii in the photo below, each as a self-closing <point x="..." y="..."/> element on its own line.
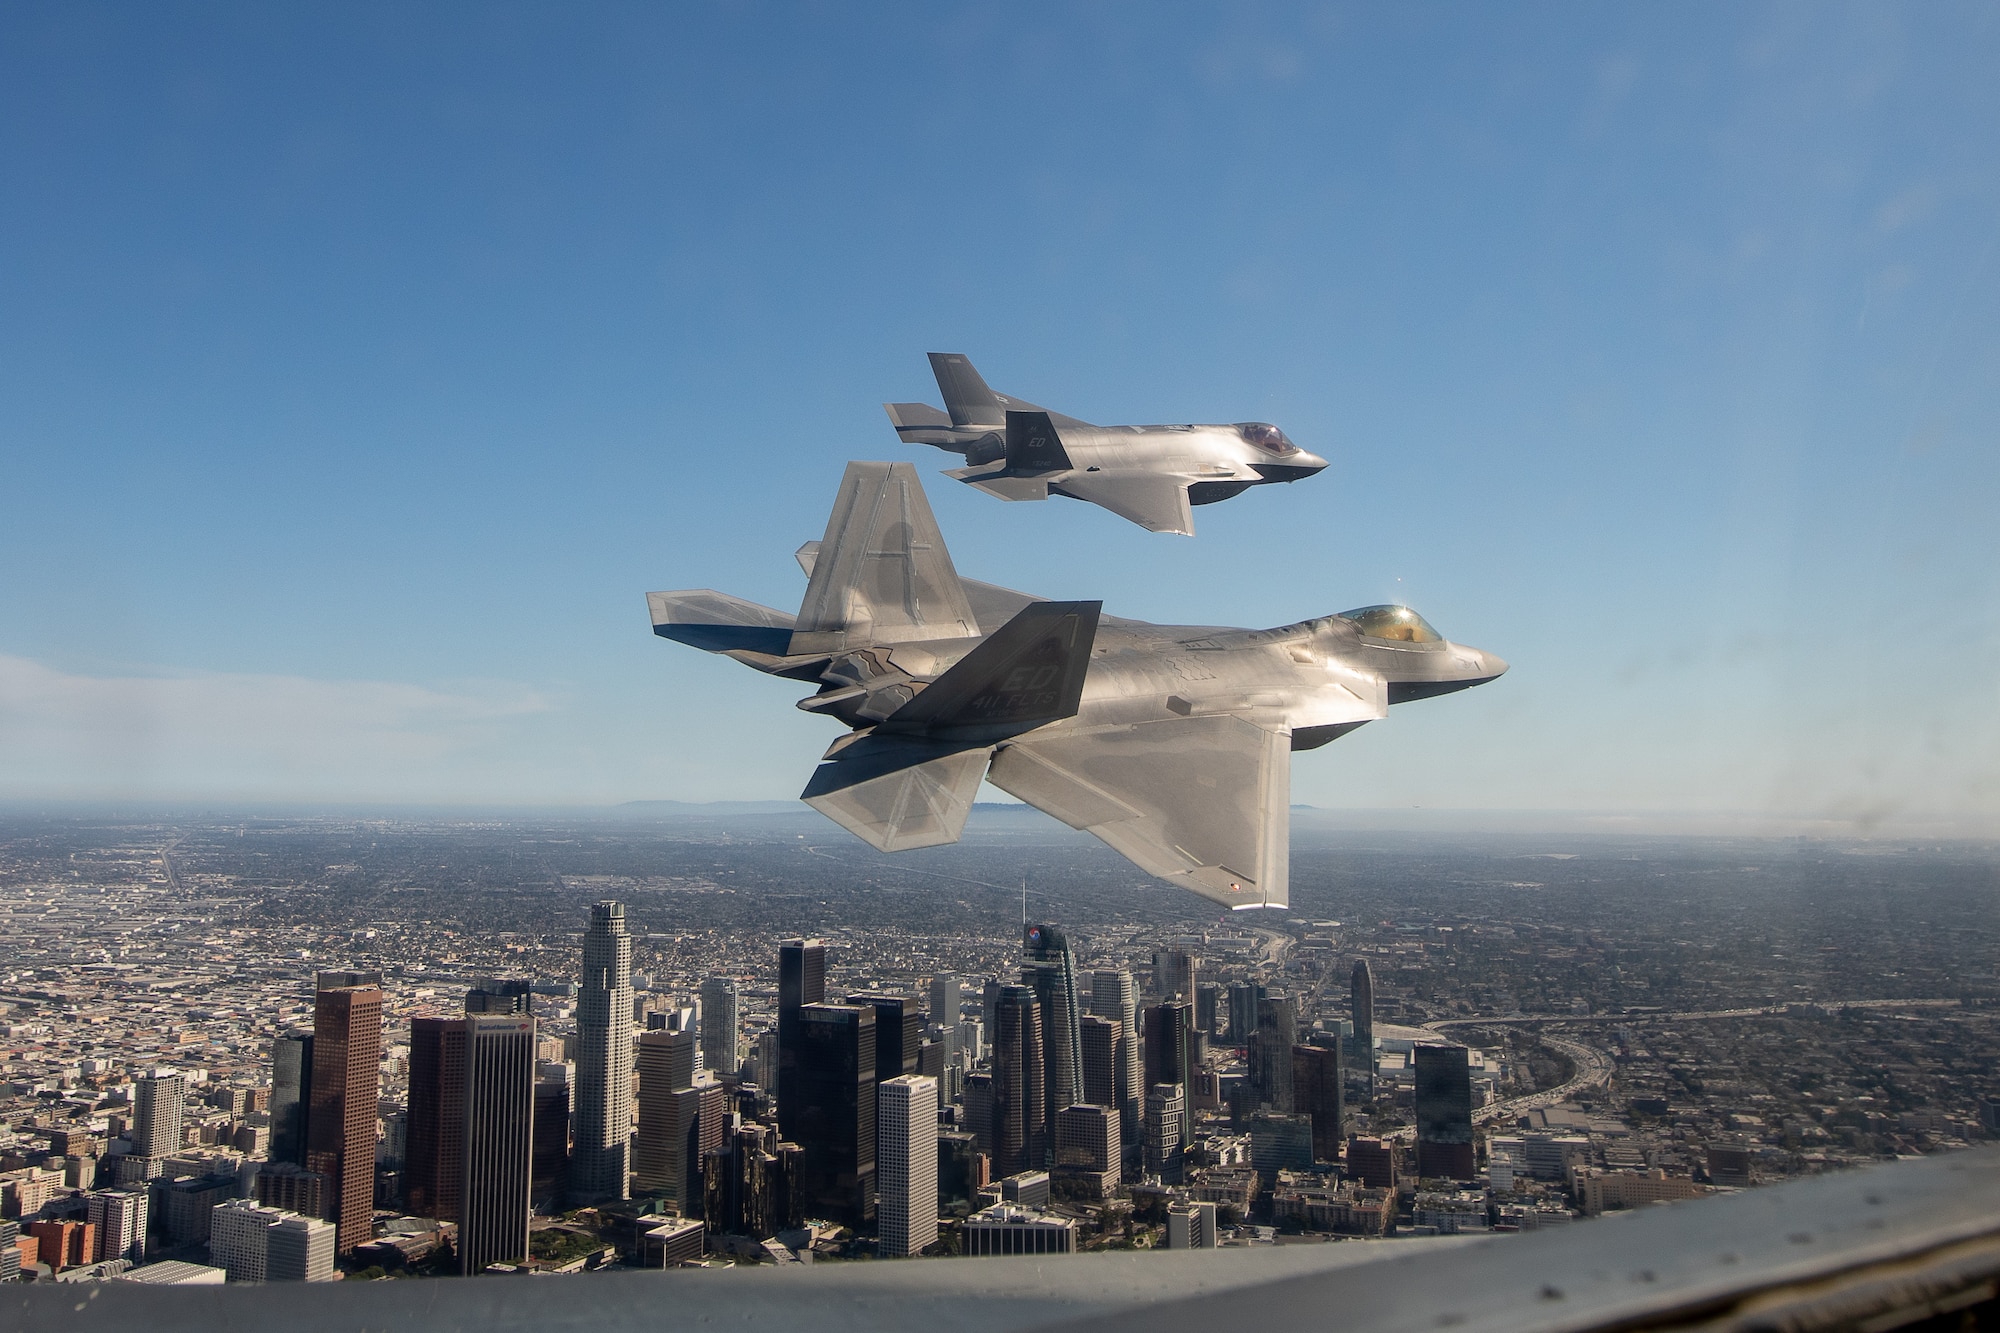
<point x="1148" y="474"/>
<point x="1172" y="743"/>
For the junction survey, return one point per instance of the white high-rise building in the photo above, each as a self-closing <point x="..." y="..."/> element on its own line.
<point x="601" y="1117"/>
<point x="1191" y="1225"/>
<point x="906" y="1165"/>
<point x="721" y="1026"/>
<point x="120" y="1219"/>
<point x="160" y="1099"/>
<point x="252" y="1243"/>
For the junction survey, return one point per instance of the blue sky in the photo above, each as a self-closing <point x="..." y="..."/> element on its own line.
<point x="362" y="367"/>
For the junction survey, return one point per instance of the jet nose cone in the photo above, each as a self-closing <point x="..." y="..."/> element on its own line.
<point x="1305" y="458"/>
<point x="1495" y="665"/>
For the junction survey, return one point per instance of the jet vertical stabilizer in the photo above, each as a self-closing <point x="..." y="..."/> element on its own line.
<point x="881" y="574"/>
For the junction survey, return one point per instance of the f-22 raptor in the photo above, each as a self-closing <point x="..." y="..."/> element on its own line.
<point x="1172" y="743"/>
<point x="1148" y="474"/>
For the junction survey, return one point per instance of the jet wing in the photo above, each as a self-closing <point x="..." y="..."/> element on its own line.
<point x="1204" y="801"/>
<point x="898" y="792"/>
<point x="1155" y="502"/>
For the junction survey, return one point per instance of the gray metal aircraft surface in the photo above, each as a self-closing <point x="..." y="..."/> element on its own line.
<point x="1172" y="743"/>
<point x="1148" y="474"/>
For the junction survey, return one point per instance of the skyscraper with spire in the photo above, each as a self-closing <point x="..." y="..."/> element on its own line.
<point x="1049" y="969"/>
<point x="601" y="1120"/>
<point x="1361" y="997"/>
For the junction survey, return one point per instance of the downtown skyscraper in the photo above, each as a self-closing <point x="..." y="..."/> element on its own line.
<point x="601" y="1118"/>
<point x="498" y="1141"/>
<point x="1017" y="1124"/>
<point x="1049" y="969"/>
<point x="721" y="1027"/>
<point x="346" y="1088"/>
<point x="1114" y="996"/>
<point x="291" y="1096"/>
<point x="906" y="1165"/>
<point x="801" y="981"/>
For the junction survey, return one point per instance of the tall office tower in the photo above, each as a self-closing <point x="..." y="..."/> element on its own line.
<point x="899" y="1032"/>
<point x="1271" y="1053"/>
<point x="1174" y="974"/>
<point x="666" y="1155"/>
<point x="1018" y="1124"/>
<point x="434" y="1141"/>
<point x="1087" y="1139"/>
<point x="346" y="1092"/>
<point x="1361" y="998"/>
<point x="499" y="995"/>
<point x="1316" y="1093"/>
<point x="1444" y="1113"/>
<point x="906" y="1164"/>
<point x="291" y="1096"/>
<point x="161" y="1099"/>
<point x="961" y="1174"/>
<point x="1170" y="1050"/>
<point x="1100" y="1040"/>
<point x="499" y="1150"/>
<point x="1244" y="999"/>
<point x="801" y="981"/>
<point x="947" y="999"/>
<point x="551" y="1170"/>
<point x="120" y="1219"/>
<point x="1208" y="1001"/>
<point x="979" y="1120"/>
<point x="1049" y="969"/>
<point x="1166" y="1132"/>
<point x="989" y="1003"/>
<point x="1372" y="1162"/>
<point x="832" y="1090"/>
<point x="1114" y="995"/>
<point x="10" y="1250"/>
<point x="601" y="1113"/>
<point x="721" y="1026"/>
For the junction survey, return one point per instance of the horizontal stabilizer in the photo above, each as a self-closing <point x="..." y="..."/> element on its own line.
<point x="1027" y="673"/>
<point x="1156" y="503"/>
<point x="899" y="792"/>
<point x="1033" y="445"/>
<point x="715" y="622"/>
<point x="1204" y="801"/>
<point x="881" y="574"/>
<point x="916" y="415"/>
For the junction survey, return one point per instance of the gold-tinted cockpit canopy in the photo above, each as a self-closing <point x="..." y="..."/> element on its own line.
<point x="1266" y="437"/>
<point x="1393" y="622"/>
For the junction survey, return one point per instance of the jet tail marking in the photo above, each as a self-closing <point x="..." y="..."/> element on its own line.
<point x="1027" y="673"/>
<point x="1033" y="445"/>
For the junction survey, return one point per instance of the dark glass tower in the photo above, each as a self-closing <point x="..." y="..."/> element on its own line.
<point x="1244" y="999"/>
<point x="497" y="1159"/>
<point x="1169" y="1045"/>
<point x="1444" y="1113"/>
<point x="1019" y="1125"/>
<point x="434" y="1152"/>
<point x="1049" y="969"/>
<point x="291" y="1096"/>
<point x="1317" y="1093"/>
<point x="899" y="1032"/>
<point x="1271" y="1053"/>
<point x="801" y="981"/>
<point x="1362" y="1000"/>
<point x="831" y="1088"/>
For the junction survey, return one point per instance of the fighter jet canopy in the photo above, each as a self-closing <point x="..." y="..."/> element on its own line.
<point x="1393" y="622"/>
<point x="1266" y="437"/>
